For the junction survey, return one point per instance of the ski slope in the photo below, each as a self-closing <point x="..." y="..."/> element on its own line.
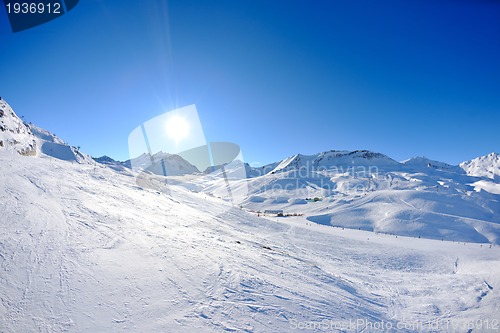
<point x="85" y="249"/>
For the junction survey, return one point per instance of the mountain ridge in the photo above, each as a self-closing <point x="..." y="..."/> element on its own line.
<point x="29" y="139"/>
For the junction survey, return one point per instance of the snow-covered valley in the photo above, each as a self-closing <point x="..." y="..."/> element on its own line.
<point x="369" y="191"/>
<point x="85" y="247"/>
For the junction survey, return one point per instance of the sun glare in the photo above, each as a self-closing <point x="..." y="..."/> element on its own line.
<point x="177" y="128"/>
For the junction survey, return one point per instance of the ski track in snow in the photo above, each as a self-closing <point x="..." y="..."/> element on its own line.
<point x="84" y="249"/>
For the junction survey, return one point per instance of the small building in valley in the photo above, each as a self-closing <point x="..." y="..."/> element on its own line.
<point x="277" y="212"/>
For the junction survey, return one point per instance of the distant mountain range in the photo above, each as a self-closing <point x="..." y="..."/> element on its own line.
<point x="370" y="191"/>
<point x="484" y="166"/>
<point x="352" y="189"/>
<point x="28" y="139"/>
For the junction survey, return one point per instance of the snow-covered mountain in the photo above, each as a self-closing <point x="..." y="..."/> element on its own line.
<point x="106" y="160"/>
<point x="359" y="190"/>
<point x="423" y="162"/>
<point x="162" y="164"/>
<point x="28" y="139"/>
<point x="370" y="191"/>
<point x="484" y="166"/>
<point x="487" y="168"/>
<point x="334" y="158"/>
<point x="14" y="134"/>
<point x="159" y="164"/>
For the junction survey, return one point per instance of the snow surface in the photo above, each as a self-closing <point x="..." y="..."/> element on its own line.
<point x="371" y="245"/>
<point x="84" y="249"/>
<point x="487" y="186"/>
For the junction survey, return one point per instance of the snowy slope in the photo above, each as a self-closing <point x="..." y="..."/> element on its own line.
<point x="84" y="249"/>
<point x="30" y="140"/>
<point x="15" y="136"/>
<point x="49" y="145"/>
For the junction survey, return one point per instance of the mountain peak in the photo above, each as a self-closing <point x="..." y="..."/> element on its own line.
<point x="494" y="155"/>
<point x="335" y="158"/>
<point x="105" y="159"/>
<point x="422" y="161"/>
<point x="160" y="163"/>
<point x="483" y="166"/>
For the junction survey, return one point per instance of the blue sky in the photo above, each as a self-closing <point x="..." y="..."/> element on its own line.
<point x="404" y="78"/>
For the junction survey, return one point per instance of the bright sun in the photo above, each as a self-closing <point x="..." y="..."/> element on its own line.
<point x="177" y="128"/>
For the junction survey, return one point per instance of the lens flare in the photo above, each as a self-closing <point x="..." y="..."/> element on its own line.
<point x="177" y="128"/>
